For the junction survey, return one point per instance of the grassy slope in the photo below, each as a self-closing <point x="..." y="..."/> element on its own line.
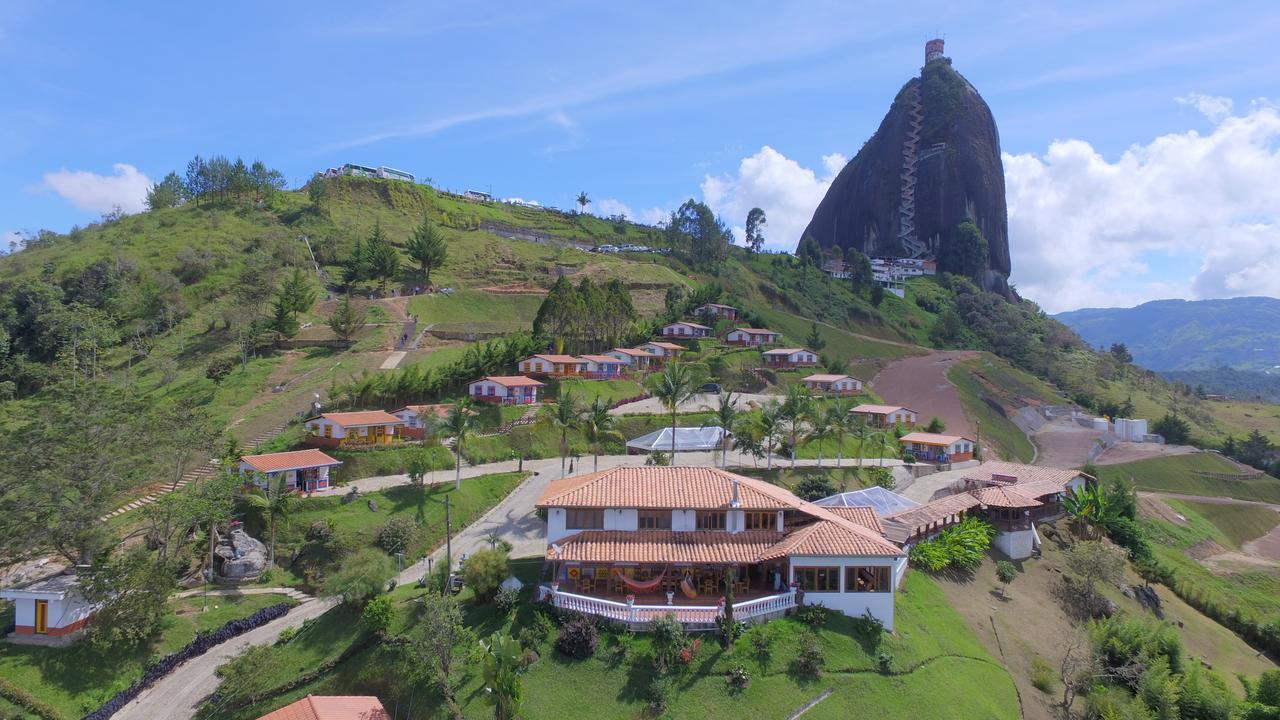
<point x="937" y="660"/>
<point x="990" y="378"/>
<point x="1176" y="474"/>
<point x="76" y="681"/>
<point x="1238" y="524"/>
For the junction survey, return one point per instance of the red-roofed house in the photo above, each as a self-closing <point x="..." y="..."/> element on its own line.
<point x="664" y="350"/>
<point x="667" y="536"/>
<point x="366" y="427"/>
<point x="834" y="384"/>
<point x="752" y="337"/>
<point x="604" y="367"/>
<point x="505" y="390"/>
<point x="417" y="417"/>
<point x="684" y="329"/>
<point x="883" y="416"/>
<point x="785" y="358"/>
<point x="554" y="366"/>
<point x="635" y="358"/>
<point x="935" y="448"/>
<point x="716" y="311"/>
<point x="305" y="470"/>
<point x="331" y="707"/>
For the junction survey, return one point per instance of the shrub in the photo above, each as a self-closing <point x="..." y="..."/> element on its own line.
<point x="396" y="535"/>
<point x="963" y="546"/>
<point x="377" y="615"/>
<point x="507" y="600"/>
<point x="361" y="576"/>
<point x="667" y="637"/>
<point x="815" y="487"/>
<point x="809" y="660"/>
<point x="484" y="572"/>
<point x="813" y="615"/>
<point x="219" y="367"/>
<point x="884" y="662"/>
<point x="286" y="635"/>
<point x="658" y="695"/>
<point x="577" y="639"/>
<point x="1042" y="676"/>
<point x="738" y="677"/>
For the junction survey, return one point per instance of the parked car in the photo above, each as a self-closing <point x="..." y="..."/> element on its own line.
<point x="711" y="388"/>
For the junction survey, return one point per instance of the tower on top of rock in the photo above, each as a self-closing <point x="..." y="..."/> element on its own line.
<point x="933" y="50"/>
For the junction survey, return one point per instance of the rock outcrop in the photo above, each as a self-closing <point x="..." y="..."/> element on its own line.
<point x="933" y="163"/>
<point x="239" y="558"/>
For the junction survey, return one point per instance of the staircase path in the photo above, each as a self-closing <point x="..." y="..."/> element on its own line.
<point x="292" y="593"/>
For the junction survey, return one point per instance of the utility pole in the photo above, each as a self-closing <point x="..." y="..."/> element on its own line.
<point x="448" y="539"/>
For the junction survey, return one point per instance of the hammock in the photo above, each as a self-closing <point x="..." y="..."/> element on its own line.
<point x="686" y="587"/>
<point x="640" y="586"/>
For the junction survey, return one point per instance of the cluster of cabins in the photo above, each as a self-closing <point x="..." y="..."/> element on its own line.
<point x="632" y="543"/>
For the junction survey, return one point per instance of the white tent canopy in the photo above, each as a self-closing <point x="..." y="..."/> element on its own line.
<point x="884" y="502"/>
<point x="687" y="439"/>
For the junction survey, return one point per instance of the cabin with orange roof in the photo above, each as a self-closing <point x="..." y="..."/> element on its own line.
<point x="787" y="358"/>
<point x="360" y="428"/>
<point x="301" y="470"/>
<point x="752" y="337"/>
<point x="554" y="366"/>
<point x="885" y="416"/>
<point x="937" y="448"/>
<point x="505" y="390"/>
<point x="833" y="384"/>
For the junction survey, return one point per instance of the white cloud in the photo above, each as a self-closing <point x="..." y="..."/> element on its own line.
<point x="1085" y="231"/>
<point x="609" y="207"/>
<point x="561" y="119"/>
<point x="769" y="180"/>
<point x="522" y="201"/>
<point x="100" y="193"/>
<point x="1214" y="107"/>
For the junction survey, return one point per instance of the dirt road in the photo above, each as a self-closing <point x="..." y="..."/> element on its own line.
<point x="921" y="384"/>
<point x="1064" y="443"/>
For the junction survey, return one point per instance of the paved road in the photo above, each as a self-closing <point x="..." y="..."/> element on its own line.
<point x="921" y="384"/>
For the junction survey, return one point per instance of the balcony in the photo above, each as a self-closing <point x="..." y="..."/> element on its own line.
<point x="637" y="615"/>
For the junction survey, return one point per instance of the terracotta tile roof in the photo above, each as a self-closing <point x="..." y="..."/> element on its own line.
<point x="509" y="381"/>
<point x="985" y="473"/>
<point x="864" y="516"/>
<point x="562" y="359"/>
<point x="756" y="331"/>
<point x="633" y="352"/>
<point x="921" y="517"/>
<point x="331" y="707"/>
<point x="275" y="462"/>
<point x="664" y="546"/>
<point x="436" y="410"/>
<point x="698" y="488"/>
<point x="1038" y="488"/>
<point x="879" y="409"/>
<point x="364" y="417"/>
<point x="926" y="438"/>
<point x="1004" y="497"/>
<point x="784" y="351"/>
<point x="830" y="538"/>
<point x="665" y="345"/>
<point x="828" y="378"/>
<point x="603" y="359"/>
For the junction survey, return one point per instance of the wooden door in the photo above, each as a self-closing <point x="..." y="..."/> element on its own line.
<point x="42" y="616"/>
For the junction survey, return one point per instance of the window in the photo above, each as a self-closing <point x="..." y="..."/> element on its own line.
<point x="655" y="520"/>
<point x="761" y="520"/>
<point x="867" y="579"/>
<point x="711" y="519"/>
<point x="584" y="519"/>
<point x="818" y="579"/>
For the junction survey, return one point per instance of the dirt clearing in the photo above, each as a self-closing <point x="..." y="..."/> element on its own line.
<point x="921" y="383"/>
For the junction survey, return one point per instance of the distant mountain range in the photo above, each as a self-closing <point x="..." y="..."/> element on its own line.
<point x="1239" y="333"/>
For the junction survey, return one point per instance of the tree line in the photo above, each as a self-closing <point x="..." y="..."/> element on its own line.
<point x="216" y="179"/>
<point x="586" y="318"/>
<point x="375" y="258"/>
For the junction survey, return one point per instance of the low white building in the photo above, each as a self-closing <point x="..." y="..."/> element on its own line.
<point x="683" y="329"/>
<point x="752" y="337"/>
<point x="50" y="611"/>
<point x="833" y="384"/>
<point x="678" y="533"/>
<point x="304" y="470"/>
<point x="505" y="390"/>
<point x="662" y="349"/>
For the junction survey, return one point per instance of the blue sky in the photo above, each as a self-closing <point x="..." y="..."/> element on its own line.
<point x="643" y="105"/>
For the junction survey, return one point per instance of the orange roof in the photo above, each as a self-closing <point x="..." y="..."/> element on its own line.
<point x="509" y="381"/>
<point x="864" y="516"/>
<point x="562" y="359"/>
<point x="603" y="359"/>
<point x="1005" y="497"/>
<point x="985" y="473"/>
<point x="363" y="417"/>
<point x="925" y="438"/>
<point x="929" y="513"/>
<point x="633" y="352"/>
<point x="664" y="546"/>
<point x="331" y="707"/>
<point x="784" y="351"/>
<point x="700" y="488"/>
<point x="828" y="538"/>
<point x="756" y="331"/>
<point x="665" y="345"/>
<point x="659" y="487"/>
<point x="828" y="378"/>
<point x="438" y="409"/>
<point x="1038" y="488"/>
<point x="275" y="462"/>
<point x="879" y="409"/>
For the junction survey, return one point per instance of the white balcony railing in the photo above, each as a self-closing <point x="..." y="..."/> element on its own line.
<point x="771" y="605"/>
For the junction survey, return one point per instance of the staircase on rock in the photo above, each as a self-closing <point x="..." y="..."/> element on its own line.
<point x="911" y="245"/>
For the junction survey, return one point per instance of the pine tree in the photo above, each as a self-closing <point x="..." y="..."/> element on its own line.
<point x="347" y="319"/>
<point x="382" y="260"/>
<point x="427" y="248"/>
<point x="356" y="268"/>
<point x="815" y="341"/>
<point x="282" y="316"/>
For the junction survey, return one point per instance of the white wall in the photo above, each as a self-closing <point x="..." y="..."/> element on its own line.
<point x="621" y="519"/>
<point x="852" y="604"/>
<point x="555" y="525"/>
<point x="684" y="520"/>
<point x="735" y="521"/>
<point x="1015" y="545"/>
<point x="338" y="431"/>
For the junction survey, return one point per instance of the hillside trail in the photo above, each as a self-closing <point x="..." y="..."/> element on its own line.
<point x="920" y="383"/>
<point x="1260" y="552"/>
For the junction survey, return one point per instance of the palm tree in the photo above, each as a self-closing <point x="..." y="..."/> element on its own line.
<point x="841" y="423"/>
<point x="583" y="201"/>
<point x="1089" y="507"/>
<point x="820" y="430"/>
<point x="596" y="421"/>
<point x="726" y="414"/>
<point x="673" y="386"/>
<point x="457" y="425"/>
<point x="563" y="416"/>
<point x="880" y="443"/>
<point x="275" y="504"/>
<point x="770" y="425"/>
<point x="795" y="408"/>
<point x="862" y="432"/>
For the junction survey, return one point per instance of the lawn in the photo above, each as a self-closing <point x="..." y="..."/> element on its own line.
<point x="1237" y="523"/>
<point x="1000" y="437"/>
<point x="838" y="343"/>
<point x="486" y="310"/>
<point x="424" y="504"/>
<point x="76" y="680"/>
<point x="936" y="663"/>
<point x="586" y="391"/>
<point x="845" y="478"/>
<point x="1176" y="474"/>
<point x="357" y="464"/>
